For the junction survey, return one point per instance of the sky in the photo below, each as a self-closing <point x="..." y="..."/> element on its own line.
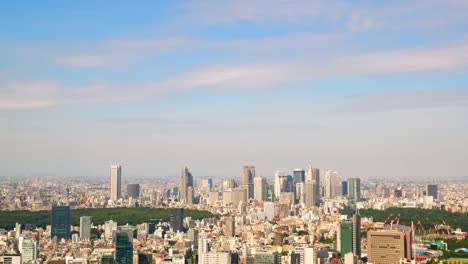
<point x="371" y="89"/>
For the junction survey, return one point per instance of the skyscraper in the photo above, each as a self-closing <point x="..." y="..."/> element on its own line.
<point x="177" y="219"/>
<point x="230" y="227"/>
<point x="186" y="180"/>
<point x="298" y="176"/>
<point x="123" y="248"/>
<point x="431" y="190"/>
<point x="248" y="174"/>
<point x="344" y="190"/>
<point x="357" y="235"/>
<point x="28" y="251"/>
<point x="310" y="194"/>
<point x="260" y="188"/>
<point x="85" y="227"/>
<point x="354" y="189"/>
<point x="115" y="182"/>
<point x="60" y="222"/>
<point x="345" y="237"/>
<point x="133" y="190"/>
<point x="389" y="246"/>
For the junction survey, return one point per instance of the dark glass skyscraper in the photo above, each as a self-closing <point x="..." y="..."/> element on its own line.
<point x="133" y="190"/>
<point x="344" y="189"/>
<point x="177" y="218"/>
<point x="123" y="249"/>
<point x="61" y="222"/>
<point x="431" y="190"/>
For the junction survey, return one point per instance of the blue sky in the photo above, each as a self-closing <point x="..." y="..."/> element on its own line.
<point x="370" y="89"/>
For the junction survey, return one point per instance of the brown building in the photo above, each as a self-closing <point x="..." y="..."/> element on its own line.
<point x="388" y="246"/>
<point x="230" y="227"/>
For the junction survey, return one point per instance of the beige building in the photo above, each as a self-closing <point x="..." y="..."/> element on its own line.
<point x="388" y="246"/>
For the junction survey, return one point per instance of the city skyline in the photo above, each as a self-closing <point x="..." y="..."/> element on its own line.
<point x="369" y="89"/>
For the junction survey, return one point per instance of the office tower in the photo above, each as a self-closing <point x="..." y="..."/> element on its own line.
<point x="327" y="184"/>
<point x="123" y="248"/>
<point x="60" y="222"/>
<point x="230" y="227"/>
<point x="260" y="188"/>
<point x="85" y="227"/>
<point x="190" y="195"/>
<point x="388" y="246"/>
<point x="248" y="174"/>
<point x="17" y="230"/>
<point x="431" y="190"/>
<point x="300" y="193"/>
<point x="267" y="258"/>
<point x="234" y="196"/>
<point x="186" y="180"/>
<point x="298" y="175"/>
<point x="109" y="228"/>
<point x="133" y="190"/>
<point x="354" y="189"/>
<point x="229" y="184"/>
<point x="357" y="235"/>
<point x="313" y="175"/>
<point x="115" y="182"/>
<point x="177" y="219"/>
<point x="28" y="251"/>
<point x="310" y="194"/>
<point x="345" y="237"/>
<point x="344" y="188"/>
<point x="295" y="258"/>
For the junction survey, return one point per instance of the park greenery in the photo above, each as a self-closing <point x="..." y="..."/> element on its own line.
<point x="428" y="218"/>
<point x="132" y="216"/>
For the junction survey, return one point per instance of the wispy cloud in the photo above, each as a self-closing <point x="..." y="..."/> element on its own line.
<point x="31" y="94"/>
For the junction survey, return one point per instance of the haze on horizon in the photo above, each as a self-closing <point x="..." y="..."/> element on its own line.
<point x="370" y="89"/>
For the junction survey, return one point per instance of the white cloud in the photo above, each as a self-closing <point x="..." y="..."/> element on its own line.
<point x="265" y="74"/>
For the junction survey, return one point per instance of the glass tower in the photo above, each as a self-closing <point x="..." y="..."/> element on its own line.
<point x="61" y="222"/>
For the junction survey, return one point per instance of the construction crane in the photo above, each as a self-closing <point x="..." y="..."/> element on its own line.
<point x="386" y="220"/>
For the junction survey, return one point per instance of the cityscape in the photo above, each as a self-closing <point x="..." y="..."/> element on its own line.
<point x="306" y="216"/>
<point x="234" y="132"/>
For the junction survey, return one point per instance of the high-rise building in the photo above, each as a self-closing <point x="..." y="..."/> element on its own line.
<point x="60" y="222"/>
<point x="298" y="176"/>
<point x="431" y="190"/>
<point x="388" y="246"/>
<point x="260" y="188"/>
<point x="344" y="189"/>
<point x="313" y="175"/>
<point x="345" y="237"/>
<point x="357" y="235"/>
<point x="186" y="180"/>
<point x="310" y="194"/>
<point x="133" y="190"/>
<point x="85" y="227"/>
<point x="354" y="189"/>
<point x="123" y="248"/>
<point x="28" y="251"/>
<point x="177" y="219"/>
<point x="327" y="184"/>
<point x="248" y="174"/>
<point x="115" y="182"/>
<point x="230" y="227"/>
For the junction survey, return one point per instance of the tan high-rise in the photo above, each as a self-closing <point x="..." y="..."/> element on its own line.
<point x="115" y="182"/>
<point x="389" y="246"/>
